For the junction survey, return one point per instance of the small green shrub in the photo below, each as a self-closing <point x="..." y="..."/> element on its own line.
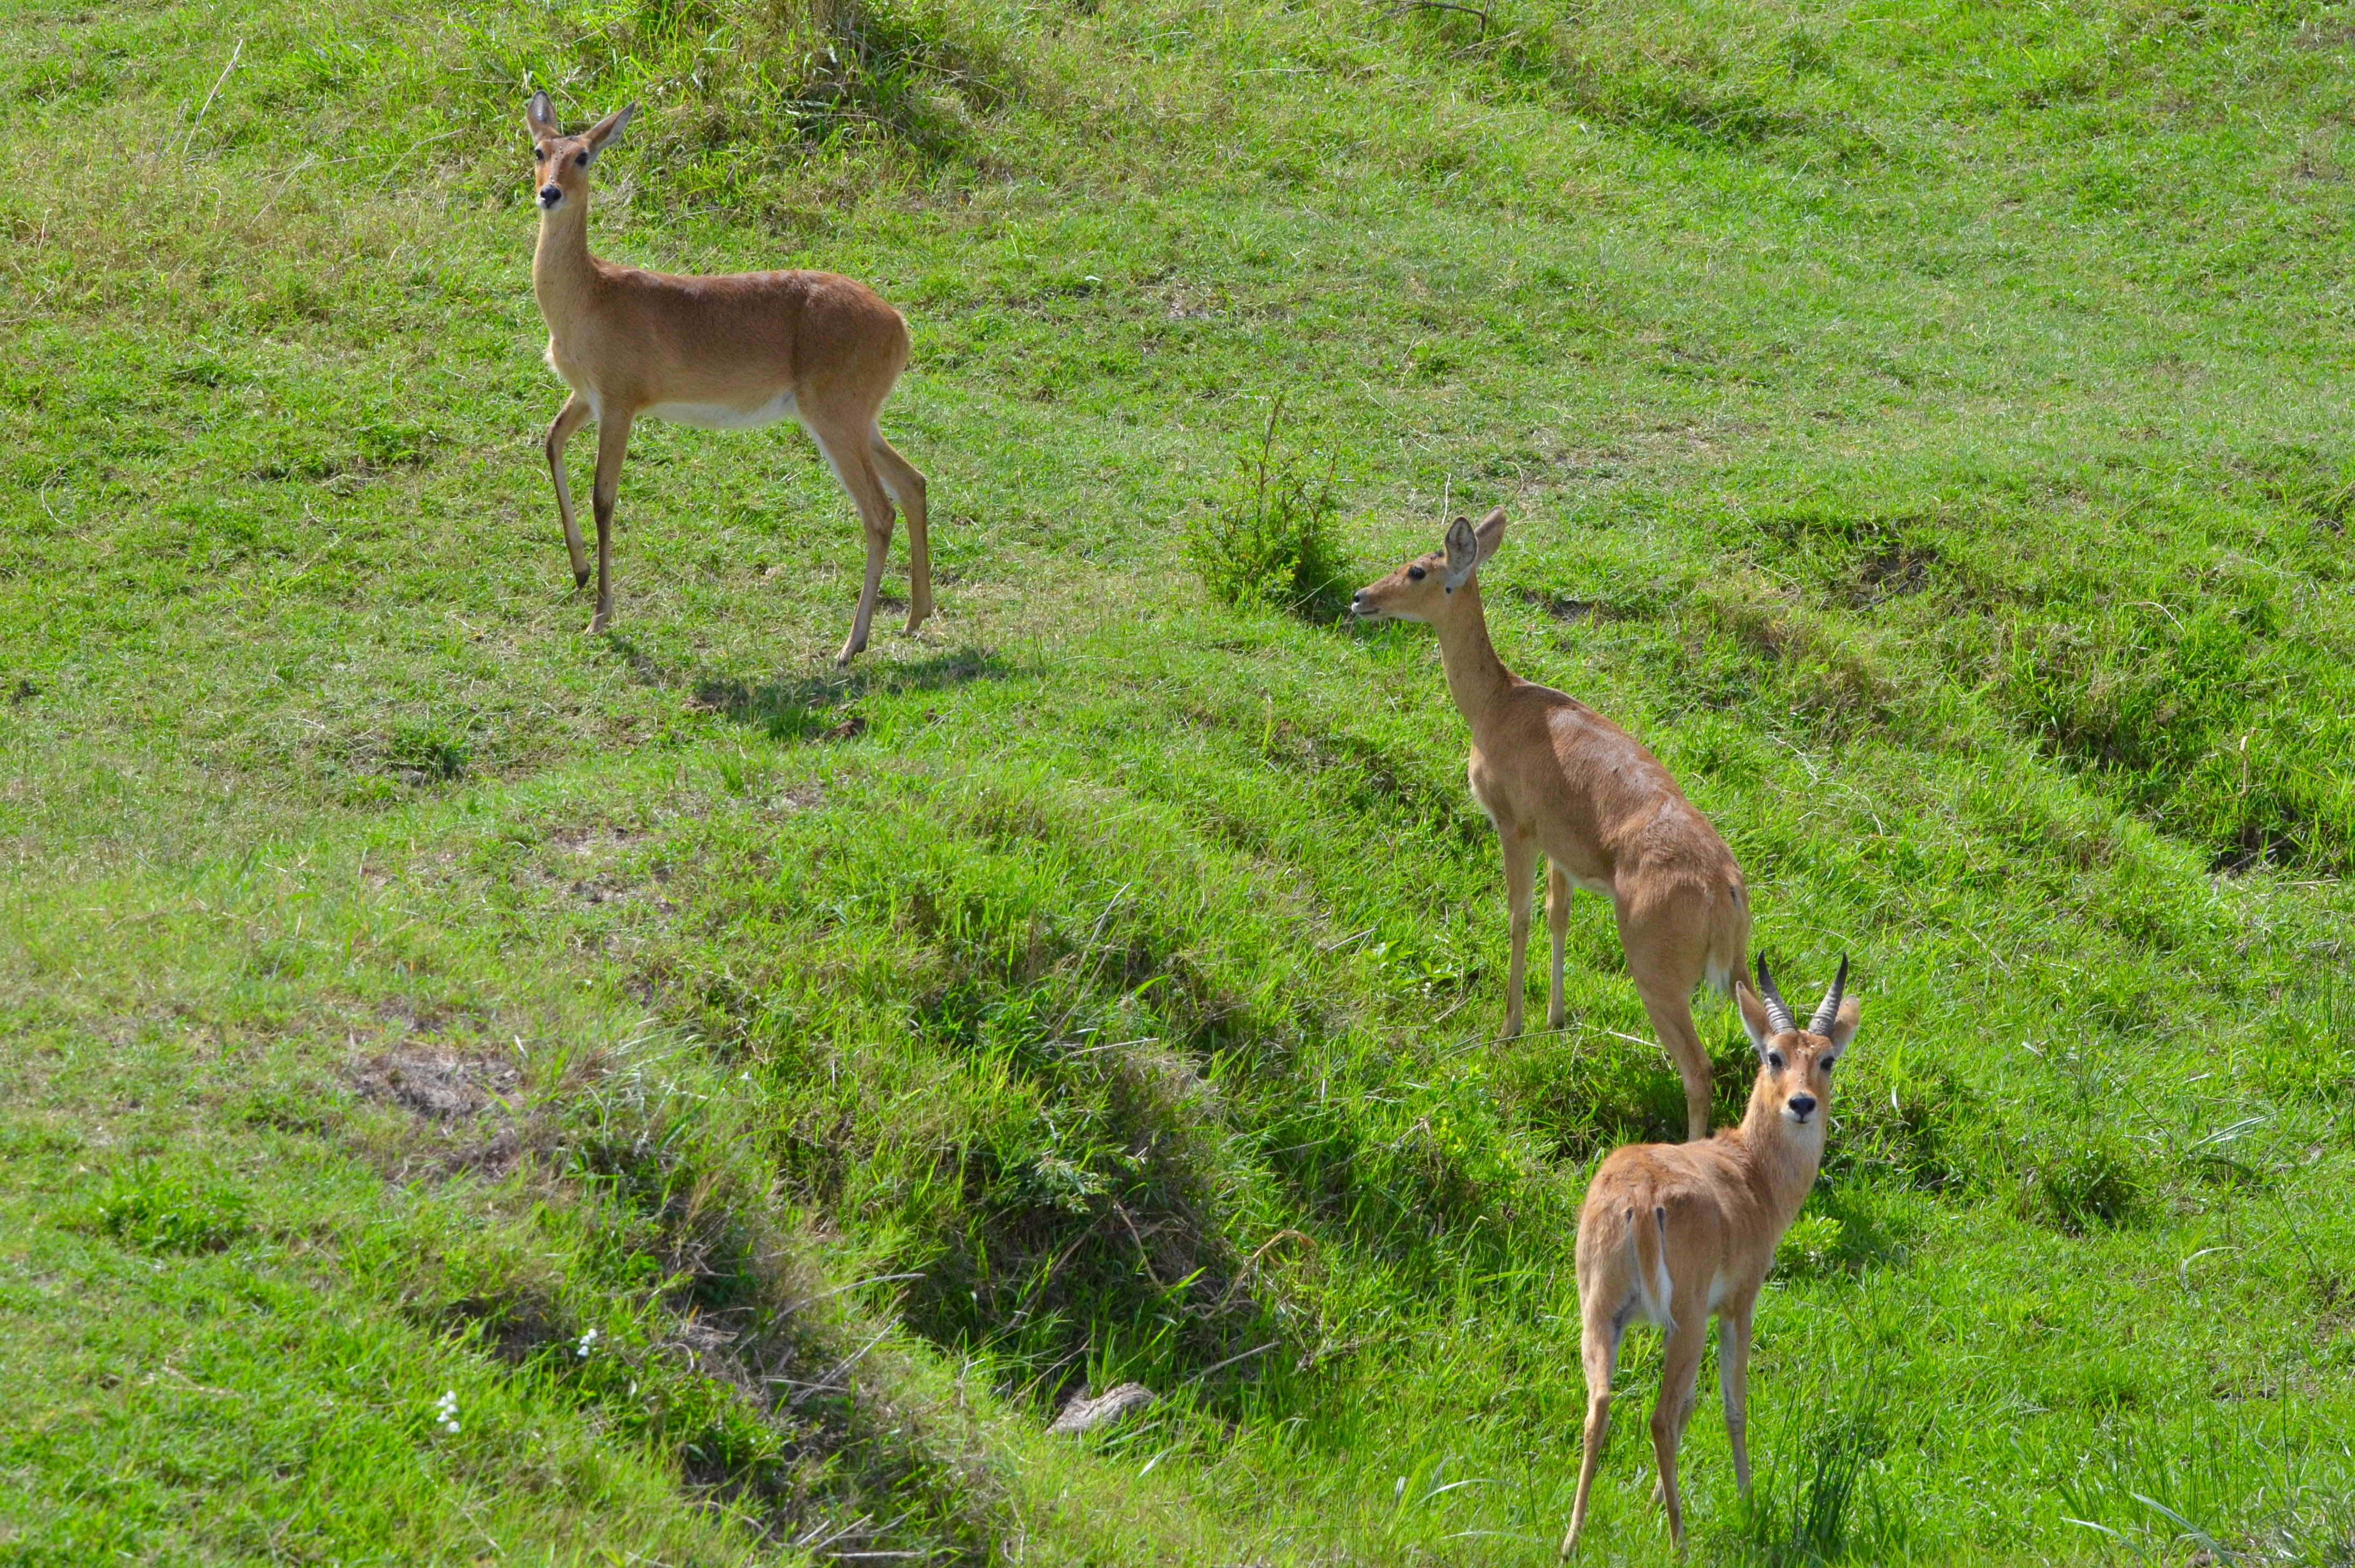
<point x="1811" y="1246"/>
<point x="1271" y="540"/>
<point x="159" y="1213"/>
<point x="310" y="1108"/>
<point x="395" y="444"/>
<point x="2086" y="1187"/>
<point x="428" y="751"/>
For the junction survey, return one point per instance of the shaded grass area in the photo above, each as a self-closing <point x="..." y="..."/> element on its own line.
<point x="1919" y="422"/>
<point x="303" y="1256"/>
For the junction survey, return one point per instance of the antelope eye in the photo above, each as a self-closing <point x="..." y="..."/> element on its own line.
<point x="1416" y="574"/>
<point x="1775" y="1060"/>
<point x="539" y="155"/>
<point x="581" y="159"/>
<point x="1827" y="1067"/>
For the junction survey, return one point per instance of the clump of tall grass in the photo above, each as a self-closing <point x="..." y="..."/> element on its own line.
<point x="907" y="75"/>
<point x="2082" y="1188"/>
<point x="1271" y="540"/>
<point x="159" y="1212"/>
<point x="428" y="751"/>
<point x="736" y="93"/>
<point x="1825" y="1508"/>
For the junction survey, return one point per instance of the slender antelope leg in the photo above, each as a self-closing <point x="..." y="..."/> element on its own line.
<point x="1599" y="1350"/>
<point x="1557" y="926"/>
<point x="1733" y="1385"/>
<point x="567" y="420"/>
<point x="1678" y="1367"/>
<point x="847" y="452"/>
<point x="906" y="486"/>
<point x="1520" y="877"/>
<point x="1665" y="978"/>
<point x="1670" y="1009"/>
<point x="612" y="445"/>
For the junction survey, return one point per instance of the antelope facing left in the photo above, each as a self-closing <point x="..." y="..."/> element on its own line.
<point x="723" y="353"/>
<point x="1563" y="783"/>
<point x="1673" y="1232"/>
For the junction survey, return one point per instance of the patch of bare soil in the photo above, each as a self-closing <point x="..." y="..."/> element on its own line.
<point x="462" y="1105"/>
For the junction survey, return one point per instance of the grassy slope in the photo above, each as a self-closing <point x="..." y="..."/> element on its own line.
<point x="1920" y="423"/>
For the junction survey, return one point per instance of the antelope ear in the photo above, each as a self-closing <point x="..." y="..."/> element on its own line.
<point x="539" y="116"/>
<point x="608" y="128"/>
<point x="1490" y="533"/>
<point x="1754" y="1021"/>
<point x="1844" y="1026"/>
<point x="1463" y="554"/>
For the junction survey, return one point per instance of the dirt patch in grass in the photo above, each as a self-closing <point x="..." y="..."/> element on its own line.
<point x="438" y="1086"/>
<point x="462" y="1105"/>
<point x="1896" y="571"/>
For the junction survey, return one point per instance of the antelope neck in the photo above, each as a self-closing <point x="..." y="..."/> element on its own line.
<point x="1782" y="1171"/>
<point x="559" y="264"/>
<point x="1476" y="677"/>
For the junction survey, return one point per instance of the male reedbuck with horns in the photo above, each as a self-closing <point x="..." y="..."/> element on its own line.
<point x="1674" y="1232"/>
<point x="723" y="353"/>
<point x="1561" y="781"/>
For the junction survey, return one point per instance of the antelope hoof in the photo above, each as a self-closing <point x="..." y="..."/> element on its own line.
<point x="580" y="578"/>
<point x="597" y="623"/>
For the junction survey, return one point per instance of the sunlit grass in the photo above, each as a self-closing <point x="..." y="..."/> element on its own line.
<point x="1921" y="423"/>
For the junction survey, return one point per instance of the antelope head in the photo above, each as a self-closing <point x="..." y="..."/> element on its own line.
<point x="561" y="161"/>
<point x="1424" y="588"/>
<point x="1794" y="1064"/>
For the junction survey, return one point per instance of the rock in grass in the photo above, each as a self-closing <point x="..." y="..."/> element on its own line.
<point x="1086" y="1415"/>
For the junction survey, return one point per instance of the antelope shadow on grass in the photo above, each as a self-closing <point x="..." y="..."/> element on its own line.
<point x="792" y="707"/>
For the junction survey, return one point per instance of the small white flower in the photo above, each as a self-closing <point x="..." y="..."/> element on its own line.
<point x="588" y="1343"/>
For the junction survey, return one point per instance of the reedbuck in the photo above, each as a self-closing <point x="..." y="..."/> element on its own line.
<point x="1561" y="781"/>
<point x="1673" y="1232"/>
<point x="723" y="353"/>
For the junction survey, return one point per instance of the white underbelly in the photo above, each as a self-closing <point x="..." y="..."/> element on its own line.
<point x="722" y="416"/>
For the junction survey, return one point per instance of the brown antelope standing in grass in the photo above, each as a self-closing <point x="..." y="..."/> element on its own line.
<point x="1673" y="1232"/>
<point x="721" y="353"/>
<point x="1561" y="781"/>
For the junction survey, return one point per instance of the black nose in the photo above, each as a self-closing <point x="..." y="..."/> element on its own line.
<point x="549" y="194"/>
<point x="1802" y="1105"/>
<point x="1356" y="599"/>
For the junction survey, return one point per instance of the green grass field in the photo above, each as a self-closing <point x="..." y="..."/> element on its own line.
<point x="474" y="1093"/>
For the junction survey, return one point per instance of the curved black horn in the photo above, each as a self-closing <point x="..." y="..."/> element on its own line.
<point x="1778" y="1011"/>
<point x="1829" y="1014"/>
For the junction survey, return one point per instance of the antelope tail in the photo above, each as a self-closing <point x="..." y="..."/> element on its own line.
<point x="1653" y="1290"/>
